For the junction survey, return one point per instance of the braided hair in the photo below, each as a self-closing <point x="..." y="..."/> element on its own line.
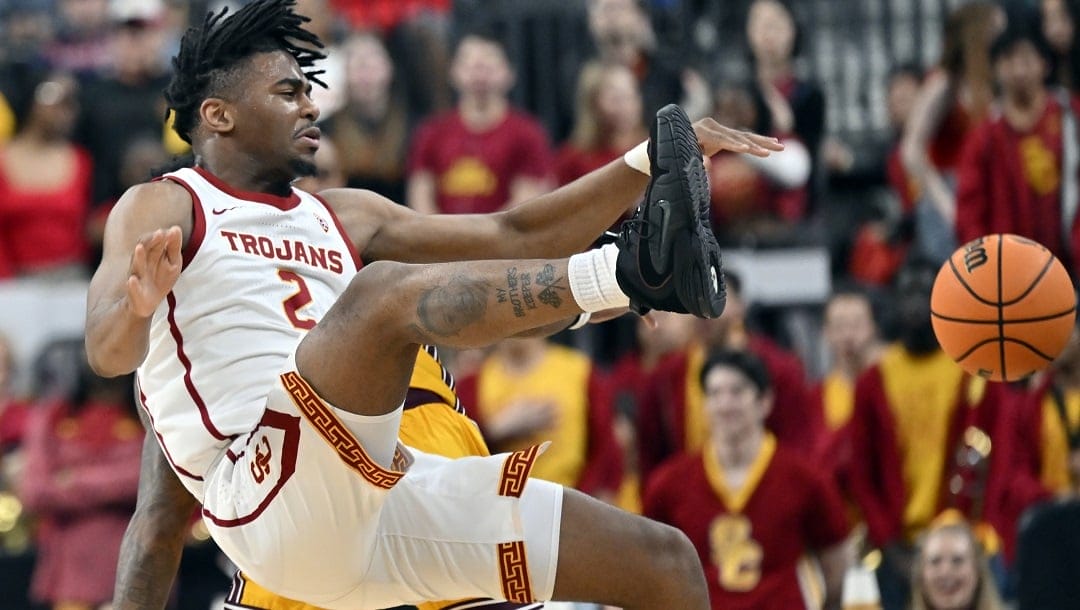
<point x="210" y="55"/>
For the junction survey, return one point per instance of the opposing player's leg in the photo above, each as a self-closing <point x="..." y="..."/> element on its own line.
<point x="609" y="556"/>
<point x="359" y="357"/>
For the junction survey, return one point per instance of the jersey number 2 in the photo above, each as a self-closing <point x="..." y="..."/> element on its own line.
<point x="299" y="300"/>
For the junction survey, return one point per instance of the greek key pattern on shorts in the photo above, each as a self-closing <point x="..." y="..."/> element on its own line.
<point x="322" y="418"/>
<point x="515" y="472"/>
<point x="514" y="573"/>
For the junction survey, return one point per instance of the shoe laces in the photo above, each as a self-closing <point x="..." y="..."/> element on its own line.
<point x="636" y="224"/>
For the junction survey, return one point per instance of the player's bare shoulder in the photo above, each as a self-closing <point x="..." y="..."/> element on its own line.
<point x="154" y="205"/>
<point x="362" y="213"/>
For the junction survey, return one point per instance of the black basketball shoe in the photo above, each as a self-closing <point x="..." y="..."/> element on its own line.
<point x="668" y="255"/>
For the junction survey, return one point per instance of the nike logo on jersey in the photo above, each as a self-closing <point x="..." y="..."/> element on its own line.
<point x="218" y="212"/>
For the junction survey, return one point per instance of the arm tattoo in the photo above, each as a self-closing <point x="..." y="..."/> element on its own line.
<point x="552" y="285"/>
<point x="444" y="311"/>
<point x="518" y="292"/>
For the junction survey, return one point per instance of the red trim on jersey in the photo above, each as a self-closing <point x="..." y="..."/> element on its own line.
<point x="341" y="230"/>
<point x="188" y="383"/>
<point x="290" y="425"/>
<point x="198" y="225"/>
<point x="161" y="440"/>
<point x="281" y="203"/>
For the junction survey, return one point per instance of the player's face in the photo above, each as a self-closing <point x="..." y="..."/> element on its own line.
<point x="275" y="118"/>
<point x="733" y="403"/>
<point x="949" y="573"/>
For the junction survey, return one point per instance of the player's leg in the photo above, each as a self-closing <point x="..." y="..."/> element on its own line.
<point x="609" y="556"/>
<point x="360" y="355"/>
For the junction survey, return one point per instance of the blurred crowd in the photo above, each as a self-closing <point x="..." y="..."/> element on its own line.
<point x="811" y="451"/>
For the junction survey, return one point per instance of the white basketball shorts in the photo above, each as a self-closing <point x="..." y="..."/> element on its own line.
<point x="325" y="506"/>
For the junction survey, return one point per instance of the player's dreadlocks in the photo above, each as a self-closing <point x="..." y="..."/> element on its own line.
<point x="208" y="55"/>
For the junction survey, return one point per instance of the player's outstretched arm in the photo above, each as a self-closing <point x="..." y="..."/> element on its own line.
<point x="556" y="224"/>
<point x="154" y="540"/>
<point x="140" y="264"/>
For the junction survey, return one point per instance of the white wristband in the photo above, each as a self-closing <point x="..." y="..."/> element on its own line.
<point x="638" y="158"/>
<point x="582" y="320"/>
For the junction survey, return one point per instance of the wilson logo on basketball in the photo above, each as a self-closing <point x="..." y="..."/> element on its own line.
<point x="260" y="466"/>
<point x="974" y="255"/>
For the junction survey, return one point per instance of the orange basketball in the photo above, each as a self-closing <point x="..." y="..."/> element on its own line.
<point x="1003" y="307"/>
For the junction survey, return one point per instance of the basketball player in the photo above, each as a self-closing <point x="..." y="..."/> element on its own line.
<point x="274" y="375"/>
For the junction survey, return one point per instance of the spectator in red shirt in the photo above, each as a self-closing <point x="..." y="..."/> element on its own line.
<point x="80" y="478"/>
<point x="754" y="201"/>
<point x="45" y="183"/>
<point x="12" y="410"/>
<point x="1014" y="170"/>
<point x="607" y="121"/>
<point x="657" y="336"/>
<point x="851" y="334"/>
<point x="484" y="155"/>
<point x="753" y="508"/>
<point x="671" y="418"/>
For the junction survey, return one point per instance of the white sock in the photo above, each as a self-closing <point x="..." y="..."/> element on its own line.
<point x="592" y="280"/>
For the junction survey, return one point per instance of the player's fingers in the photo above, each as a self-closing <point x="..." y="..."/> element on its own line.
<point x="173" y="241"/>
<point x="765" y="142"/>
<point x="138" y="260"/>
<point x="753" y="143"/>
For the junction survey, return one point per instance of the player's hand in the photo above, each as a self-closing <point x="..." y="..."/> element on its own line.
<point x="155" y="267"/>
<point x="714" y="137"/>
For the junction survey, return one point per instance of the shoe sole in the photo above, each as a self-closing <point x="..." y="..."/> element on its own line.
<point x="700" y="285"/>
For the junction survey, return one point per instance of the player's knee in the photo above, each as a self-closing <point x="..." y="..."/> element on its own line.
<point x="372" y="287"/>
<point x="671" y="551"/>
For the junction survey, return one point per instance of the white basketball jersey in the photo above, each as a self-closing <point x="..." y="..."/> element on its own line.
<point x="259" y="271"/>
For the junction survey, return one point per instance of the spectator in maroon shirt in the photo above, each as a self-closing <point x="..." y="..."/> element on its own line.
<point x="80" y="478"/>
<point x="45" y="184"/>
<point x="1014" y="170"/>
<point x="484" y="155"/>
<point x="607" y="121"/>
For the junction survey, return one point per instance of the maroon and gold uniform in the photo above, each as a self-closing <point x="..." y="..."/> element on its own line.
<point x="671" y="417"/>
<point x="1011" y="182"/>
<point x="926" y="437"/>
<point x="586" y="455"/>
<point x="752" y="541"/>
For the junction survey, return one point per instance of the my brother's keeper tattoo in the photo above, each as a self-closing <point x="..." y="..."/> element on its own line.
<point x="519" y="290"/>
